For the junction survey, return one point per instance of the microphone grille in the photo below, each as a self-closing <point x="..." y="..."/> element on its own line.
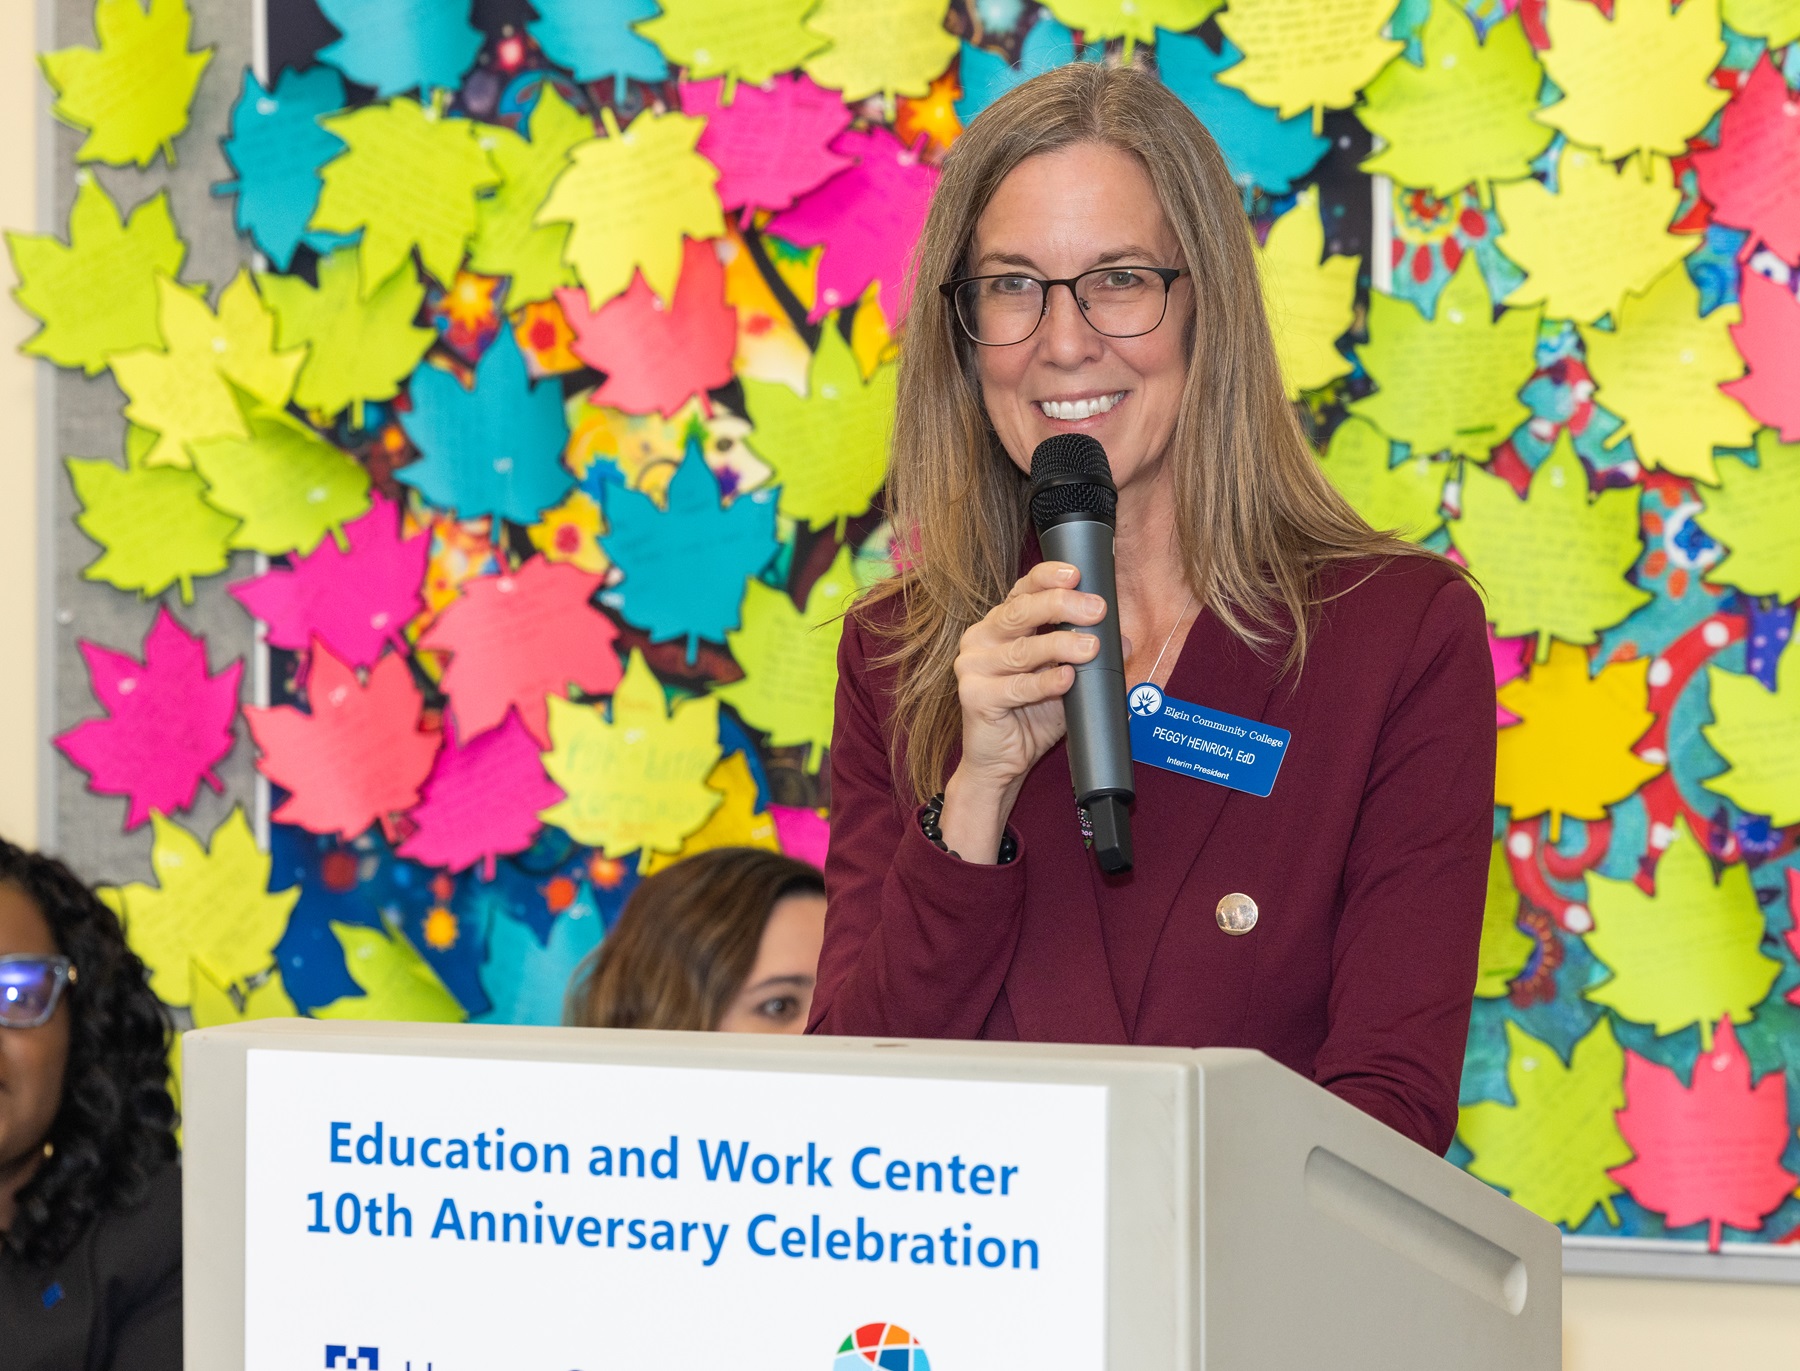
<point x="1070" y="475"/>
<point x="1069" y="455"/>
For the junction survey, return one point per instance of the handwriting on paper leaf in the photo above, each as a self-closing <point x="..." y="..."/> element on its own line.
<point x="1748" y="178"/>
<point x="1755" y="513"/>
<point x="1311" y="303"/>
<point x="508" y="240"/>
<point x="481" y="800"/>
<point x="735" y="823"/>
<point x="286" y="486"/>
<point x="153" y="524"/>
<point x="1757" y="731"/>
<point x="894" y="48"/>
<point x="132" y="92"/>
<point x="1304" y="55"/>
<point x="594" y="39"/>
<point x="771" y="143"/>
<point x="742" y="40"/>
<point x="277" y="147"/>
<point x="1769" y="340"/>
<point x="399" y="45"/>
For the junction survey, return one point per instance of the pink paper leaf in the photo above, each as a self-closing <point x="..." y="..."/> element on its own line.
<point x="167" y="722"/>
<point x="802" y="833"/>
<point x="481" y="801"/>
<point x="868" y="218"/>
<point x="1510" y="656"/>
<point x="1749" y="178"/>
<point x="771" y="143"/>
<point x="1769" y="342"/>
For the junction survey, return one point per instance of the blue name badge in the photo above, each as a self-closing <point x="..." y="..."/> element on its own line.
<point x="1193" y="740"/>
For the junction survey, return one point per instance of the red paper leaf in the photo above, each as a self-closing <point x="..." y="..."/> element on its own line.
<point x="354" y="602"/>
<point x="656" y="356"/>
<point x="359" y="757"/>
<point x="771" y="143"/>
<point x="482" y="801"/>
<point x="1749" y="178"/>
<point x="167" y="722"/>
<point x="1769" y="342"/>
<point x="1712" y="1152"/>
<point x="519" y="636"/>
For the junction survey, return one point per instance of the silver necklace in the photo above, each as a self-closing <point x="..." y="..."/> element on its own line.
<point x="1171" y="638"/>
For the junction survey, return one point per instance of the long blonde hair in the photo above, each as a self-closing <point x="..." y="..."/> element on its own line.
<point x="1256" y="516"/>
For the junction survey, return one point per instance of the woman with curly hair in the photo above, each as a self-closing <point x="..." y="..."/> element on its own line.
<point x="90" y="1192"/>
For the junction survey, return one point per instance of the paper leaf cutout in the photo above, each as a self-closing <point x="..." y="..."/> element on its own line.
<point x="657" y="357"/>
<point x="508" y="241"/>
<point x="1711" y="1153"/>
<point x="356" y="602"/>
<point x="743" y="40"/>
<point x="1406" y="498"/>
<point x="168" y="723"/>
<point x="287" y="486"/>
<point x="517" y="637"/>
<point x="1307" y="54"/>
<point x="1748" y="178"/>
<point x="895" y="48"/>
<point x="771" y="143"/>
<point x="803" y="833"/>
<point x="1599" y="65"/>
<point x="1552" y="1150"/>
<point x="629" y="197"/>
<point x="1755" y="513"/>
<point x="867" y="218"/>
<point x="635" y="778"/>
<point x="1136" y="21"/>
<point x="211" y="907"/>
<point x="1449" y="383"/>
<point x="98" y="295"/>
<point x="1504" y="948"/>
<point x="133" y="91"/>
<point x="1311" y="302"/>
<point x="1660" y="370"/>
<point x="361" y="348"/>
<point x="1689" y="954"/>
<point x="358" y="757"/>
<point x="183" y="390"/>
<point x="1261" y="148"/>
<point x="1775" y="21"/>
<point x="396" y="45"/>
<point x="1603" y="233"/>
<point x="1466" y="114"/>
<point x="431" y="208"/>
<point x="1757" y="731"/>
<point x="828" y="448"/>
<point x="1554" y="563"/>
<point x="481" y="800"/>
<point x="1570" y="754"/>
<point x="594" y="40"/>
<point x="685" y="568"/>
<point x="525" y="980"/>
<point x="153" y="525"/>
<point x="1769" y="339"/>
<point x="277" y="147"/>
<point x="789" y="657"/>
<point x="213" y="1006"/>
<point x="398" y="984"/>
<point x="735" y="823"/>
<point x="495" y="449"/>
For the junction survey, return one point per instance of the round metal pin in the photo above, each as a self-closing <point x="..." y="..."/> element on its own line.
<point x="1237" y="913"/>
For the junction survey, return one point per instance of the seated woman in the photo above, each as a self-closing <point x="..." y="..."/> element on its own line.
<point x="90" y="1192"/>
<point x="726" y="941"/>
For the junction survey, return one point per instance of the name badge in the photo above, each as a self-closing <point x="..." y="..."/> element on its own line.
<point x="1193" y="740"/>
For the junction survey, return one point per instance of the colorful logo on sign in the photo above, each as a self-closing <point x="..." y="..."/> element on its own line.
<point x="884" y="1346"/>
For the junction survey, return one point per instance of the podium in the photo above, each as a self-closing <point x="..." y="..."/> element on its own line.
<point x="403" y="1197"/>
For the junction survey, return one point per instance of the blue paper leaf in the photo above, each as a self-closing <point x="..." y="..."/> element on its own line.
<point x="401" y="45"/>
<point x="593" y="39"/>
<point x="496" y="449"/>
<point x="526" y="980"/>
<point x="1261" y="148"/>
<point x="277" y="147"/>
<point x="685" y="569"/>
<point x="986" y="76"/>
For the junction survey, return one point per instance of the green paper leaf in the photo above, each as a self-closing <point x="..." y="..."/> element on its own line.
<point x="1552" y="1149"/>
<point x="1504" y="948"/>
<point x="1307" y="54"/>
<point x="829" y="447"/>
<point x="361" y="348"/>
<point x="508" y="242"/>
<point x="1311" y="298"/>
<point x="741" y="40"/>
<point x="1755" y="513"/>
<point x="1449" y="383"/>
<point x="1407" y="498"/>
<point x="1777" y="22"/>
<point x="407" y="178"/>
<point x="1689" y="954"/>
<point x="98" y="295"/>
<point x="288" y="485"/>
<point x="153" y="524"/>
<point x="1757" y="731"/>
<point x="132" y="92"/>
<point x="898" y="47"/>
<point x="398" y="984"/>
<point x="1136" y="21"/>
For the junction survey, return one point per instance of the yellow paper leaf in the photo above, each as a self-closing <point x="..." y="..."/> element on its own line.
<point x="1755" y="513"/>
<point x="1660" y="371"/>
<point x="1307" y="54"/>
<point x="741" y="40"/>
<point x="896" y="47"/>
<point x="1311" y="302"/>
<point x="214" y="1004"/>
<point x="1603" y="233"/>
<point x="637" y="780"/>
<point x="398" y="984"/>
<point x="1504" y="948"/>
<point x="1775" y="21"/>
<point x="1136" y="21"/>
<point x="735" y="823"/>
<point x="1407" y="498"/>
<point x="1757" y="731"/>
<point x="133" y="91"/>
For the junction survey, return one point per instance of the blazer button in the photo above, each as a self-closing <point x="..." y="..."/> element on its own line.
<point x="1237" y="913"/>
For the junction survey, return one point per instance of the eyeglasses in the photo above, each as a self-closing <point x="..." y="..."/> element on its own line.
<point x="1120" y="302"/>
<point x="30" y="986"/>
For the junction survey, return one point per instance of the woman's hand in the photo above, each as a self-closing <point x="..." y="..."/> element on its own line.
<point x="1010" y="680"/>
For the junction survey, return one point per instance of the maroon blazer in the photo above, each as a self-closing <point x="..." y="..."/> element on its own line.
<point x="1368" y="863"/>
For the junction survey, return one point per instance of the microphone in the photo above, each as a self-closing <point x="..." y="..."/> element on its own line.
<point x="1073" y="503"/>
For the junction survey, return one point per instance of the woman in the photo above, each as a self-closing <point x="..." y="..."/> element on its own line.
<point x="724" y="941"/>
<point x="1333" y="924"/>
<point x="90" y="1194"/>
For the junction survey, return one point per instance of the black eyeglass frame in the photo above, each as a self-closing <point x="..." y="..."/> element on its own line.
<point x="1167" y="275"/>
<point x="65" y="976"/>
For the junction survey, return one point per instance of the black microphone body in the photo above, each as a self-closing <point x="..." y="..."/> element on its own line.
<point x="1073" y="503"/>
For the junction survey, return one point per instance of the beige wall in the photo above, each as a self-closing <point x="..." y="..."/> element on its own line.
<point x="1608" y="1325"/>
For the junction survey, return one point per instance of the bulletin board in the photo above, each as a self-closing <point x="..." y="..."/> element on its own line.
<point x="471" y="545"/>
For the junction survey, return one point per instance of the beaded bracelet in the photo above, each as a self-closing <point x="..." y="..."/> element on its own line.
<point x="931" y="824"/>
